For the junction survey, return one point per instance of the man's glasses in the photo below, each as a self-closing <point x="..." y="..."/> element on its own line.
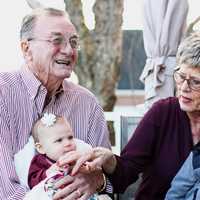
<point x="193" y="83"/>
<point x="60" y="41"/>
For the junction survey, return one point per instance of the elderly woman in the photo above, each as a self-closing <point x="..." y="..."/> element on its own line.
<point x="162" y="140"/>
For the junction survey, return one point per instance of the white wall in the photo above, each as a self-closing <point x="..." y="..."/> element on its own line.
<point x="11" y="14"/>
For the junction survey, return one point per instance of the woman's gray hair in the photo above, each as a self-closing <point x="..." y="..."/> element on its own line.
<point x="189" y="50"/>
<point x="29" y="20"/>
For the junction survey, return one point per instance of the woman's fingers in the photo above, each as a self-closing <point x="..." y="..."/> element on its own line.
<point x="96" y="158"/>
<point x="69" y="158"/>
<point x="95" y="164"/>
<point x="80" y="162"/>
<point x="105" y="158"/>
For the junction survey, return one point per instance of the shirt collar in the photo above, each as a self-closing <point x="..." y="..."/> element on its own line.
<point x="59" y="90"/>
<point x="33" y="84"/>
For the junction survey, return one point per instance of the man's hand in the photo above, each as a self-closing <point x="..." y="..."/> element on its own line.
<point x="81" y="186"/>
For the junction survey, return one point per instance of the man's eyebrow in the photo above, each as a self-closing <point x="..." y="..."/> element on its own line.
<point x="56" y="34"/>
<point x="60" y="34"/>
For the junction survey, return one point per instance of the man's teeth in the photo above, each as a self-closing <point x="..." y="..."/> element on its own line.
<point x="63" y="62"/>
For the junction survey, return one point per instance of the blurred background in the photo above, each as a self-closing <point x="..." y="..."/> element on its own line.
<point x="11" y="14"/>
<point x="125" y="94"/>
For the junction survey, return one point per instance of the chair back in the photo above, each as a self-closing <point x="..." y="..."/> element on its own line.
<point x="128" y="126"/>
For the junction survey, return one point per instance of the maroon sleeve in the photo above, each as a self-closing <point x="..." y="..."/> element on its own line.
<point x="138" y="152"/>
<point x="157" y="149"/>
<point x="37" y="170"/>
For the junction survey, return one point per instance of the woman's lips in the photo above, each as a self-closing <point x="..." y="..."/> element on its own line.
<point x="185" y="99"/>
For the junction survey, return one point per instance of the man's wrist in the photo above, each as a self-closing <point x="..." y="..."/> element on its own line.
<point x="103" y="186"/>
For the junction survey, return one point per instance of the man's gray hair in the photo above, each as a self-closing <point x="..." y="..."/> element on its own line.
<point x="29" y="20"/>
<point x="189" y="50"/>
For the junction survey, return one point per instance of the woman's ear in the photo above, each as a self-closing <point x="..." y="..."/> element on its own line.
<point x="39" y="148"/>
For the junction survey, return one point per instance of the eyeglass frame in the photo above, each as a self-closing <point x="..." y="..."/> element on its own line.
<point x="183" y="79"/>
<point x="62" y="43"/>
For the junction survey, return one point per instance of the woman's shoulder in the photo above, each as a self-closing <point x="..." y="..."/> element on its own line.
<point x="170" y="103"/>
<point x="167" y="102"/>
<point x="164" y="109"/>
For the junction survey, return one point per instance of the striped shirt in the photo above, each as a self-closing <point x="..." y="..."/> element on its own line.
<point x="22" y="100"/>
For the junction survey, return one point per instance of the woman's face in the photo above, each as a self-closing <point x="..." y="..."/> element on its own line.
<point x="189" y="98"/>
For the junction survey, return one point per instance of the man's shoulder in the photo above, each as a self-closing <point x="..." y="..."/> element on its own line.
<point x="70" y="87"/>
<point x="8" y="79"/>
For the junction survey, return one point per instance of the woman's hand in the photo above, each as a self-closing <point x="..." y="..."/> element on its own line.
<point x="91" y="160"/>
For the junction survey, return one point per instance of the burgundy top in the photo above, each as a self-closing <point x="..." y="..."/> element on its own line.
<point x="158" y="148"/>
<point x="37" y="171"/>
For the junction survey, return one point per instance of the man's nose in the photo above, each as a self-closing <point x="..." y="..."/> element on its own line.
<point x="66" y="48"/>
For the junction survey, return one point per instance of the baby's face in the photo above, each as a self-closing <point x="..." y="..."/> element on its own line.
<point x="57" y="140"/>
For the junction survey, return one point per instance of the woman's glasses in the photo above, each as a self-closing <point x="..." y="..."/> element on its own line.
<point x="193" y="83"/>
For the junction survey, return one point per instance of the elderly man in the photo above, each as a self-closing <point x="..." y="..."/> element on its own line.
<point x="49" y="44"/>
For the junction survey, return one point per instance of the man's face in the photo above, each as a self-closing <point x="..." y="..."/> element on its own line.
<point x="50" y="49"/>
<point x="189" y="98"/>
<point x="57" y="140"/>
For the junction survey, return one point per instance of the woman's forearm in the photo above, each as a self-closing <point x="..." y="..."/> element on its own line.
<point x="110" y="165"/>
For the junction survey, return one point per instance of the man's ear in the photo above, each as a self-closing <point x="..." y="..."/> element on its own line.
<point x="39" y="148"/>
<point x="25" y="47"/>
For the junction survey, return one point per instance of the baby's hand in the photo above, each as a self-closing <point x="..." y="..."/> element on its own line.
<point x="53" y="170"/>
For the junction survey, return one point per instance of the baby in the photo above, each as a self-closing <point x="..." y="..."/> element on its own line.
<point x="53" y="138"/>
